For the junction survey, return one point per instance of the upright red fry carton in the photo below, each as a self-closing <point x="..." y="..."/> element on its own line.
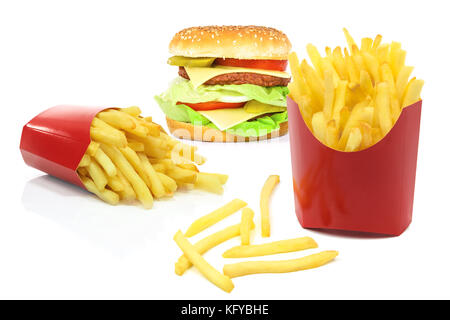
<point x="56" y="140"/>
<point x="370" y="190"/>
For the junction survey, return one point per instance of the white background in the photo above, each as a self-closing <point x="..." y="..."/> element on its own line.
<point x="57" y="241"/>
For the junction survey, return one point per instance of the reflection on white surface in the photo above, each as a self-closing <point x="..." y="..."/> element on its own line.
<point x="120" y="229"/>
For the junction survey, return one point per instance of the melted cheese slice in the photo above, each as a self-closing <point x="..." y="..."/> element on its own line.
<point x="199" y="76"/>
<point x="227" y="118"/>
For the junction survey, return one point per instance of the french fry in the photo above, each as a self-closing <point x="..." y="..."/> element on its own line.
<point x="85" y="160"/>
<point x="328" y="94"/>
<point x="156" y="186"/>
<point x="350" y="42"/>
<point x="127" y="194"/>
<point x="332" y="134"/>
<point x="182" y="175"/>
<point x="97" y="175"/>
<point x="92" y="148"/>
<point x="402" y="81"/>
<point x="266" y="191"/>
<point x="246" y="225"/>
<point x="276" y="247"/>
<point x="212" y="218"/>
<point x="208" y="243"/>
<point x="412" y="93"/>
<point x="209" y="183"/>
<point x="382" y="102"/>
<point x="283" y="266"/>
<point x="210" y="273"/>
<point x="223" y="178"/>
<point x="105" y="162"/>
<point x="318" y="124"/>
<point x="354" y="140"/>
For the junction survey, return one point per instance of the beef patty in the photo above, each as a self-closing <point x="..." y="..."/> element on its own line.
<point x="242" y="78"/>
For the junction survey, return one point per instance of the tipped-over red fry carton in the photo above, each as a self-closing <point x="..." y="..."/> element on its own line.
<point x="370" y="190"/>
<point x="56" y="140"/>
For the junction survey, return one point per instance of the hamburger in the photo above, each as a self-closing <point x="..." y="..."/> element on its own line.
<point x="231" y="84"/>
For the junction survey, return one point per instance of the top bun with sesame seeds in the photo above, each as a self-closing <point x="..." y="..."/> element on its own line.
<point x="237" y="42"/>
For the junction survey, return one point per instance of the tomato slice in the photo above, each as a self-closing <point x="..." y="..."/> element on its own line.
<point x="213" y="105"/>
<point x="277" y="65"/>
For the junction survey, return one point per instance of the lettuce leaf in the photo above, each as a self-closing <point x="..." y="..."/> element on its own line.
<point x="252" y="128"/>
<point x="183" y="90"/>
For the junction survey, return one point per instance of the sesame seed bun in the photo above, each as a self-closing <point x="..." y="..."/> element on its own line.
<point x="188" y="131"/>
<point x="238" y="42"/>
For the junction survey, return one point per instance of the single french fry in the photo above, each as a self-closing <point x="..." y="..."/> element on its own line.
<point x="376" y="42"/>
<point x="143" y="193"/>
<point x="332" y="134"/>
<point x="382" y="102"/>
<point x="97" y="175"/>
<point x="105" y="194"/>
<point x="372" y="65"/>
<point x="134" y="160"/>
<point x="366" y="83"/>
<point x="212" y="218"/>
<point x="412" y="93"/>
<point x="208" y="243"/>
<point x="339" y="101"/>
<point x="127" y="193"/>
<point x="210" y="273"/>
<point x="208" y="183"/>
<point x="276" y="247"/>
<point x="366" y="44"/>
<point x="266" y="191"/>
<point x="105" y="162"/>
<point x="282" y="266"/>
<point x="402" y="81"/>
<point x="366" y="130"/>
<point x="92" y="148"/>
<point x="156" y="186"/>
<point x="223" y="178"/>
<point x="328" y="94"/>
<point x="318" y="124"/>
<point x="350" y="42"/>
<point x="246" y="225"/>
<point x="315" y="57"/>
<point x="85" y="160"/>
<point x="354" y="140"/>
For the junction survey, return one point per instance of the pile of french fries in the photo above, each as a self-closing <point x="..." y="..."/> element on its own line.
<point x="351" y="100"/>
<point x="192" y="253"/>
<point x="130" y="157"/>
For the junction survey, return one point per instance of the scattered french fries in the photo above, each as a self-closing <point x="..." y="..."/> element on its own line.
<point x="350" y="99"/>
<point x="132" y="158"/>
<point x="192" y="254"/>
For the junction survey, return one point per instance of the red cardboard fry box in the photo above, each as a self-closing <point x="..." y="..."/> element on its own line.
<point x="370" y="190"/>
<point x="56" y="140"/>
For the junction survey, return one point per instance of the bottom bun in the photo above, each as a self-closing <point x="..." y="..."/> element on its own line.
<point x="188" y="131"/>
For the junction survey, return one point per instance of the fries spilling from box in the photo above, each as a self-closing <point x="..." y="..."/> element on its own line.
<point x="114" y="153"/>
<point x="354" y="117"/>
